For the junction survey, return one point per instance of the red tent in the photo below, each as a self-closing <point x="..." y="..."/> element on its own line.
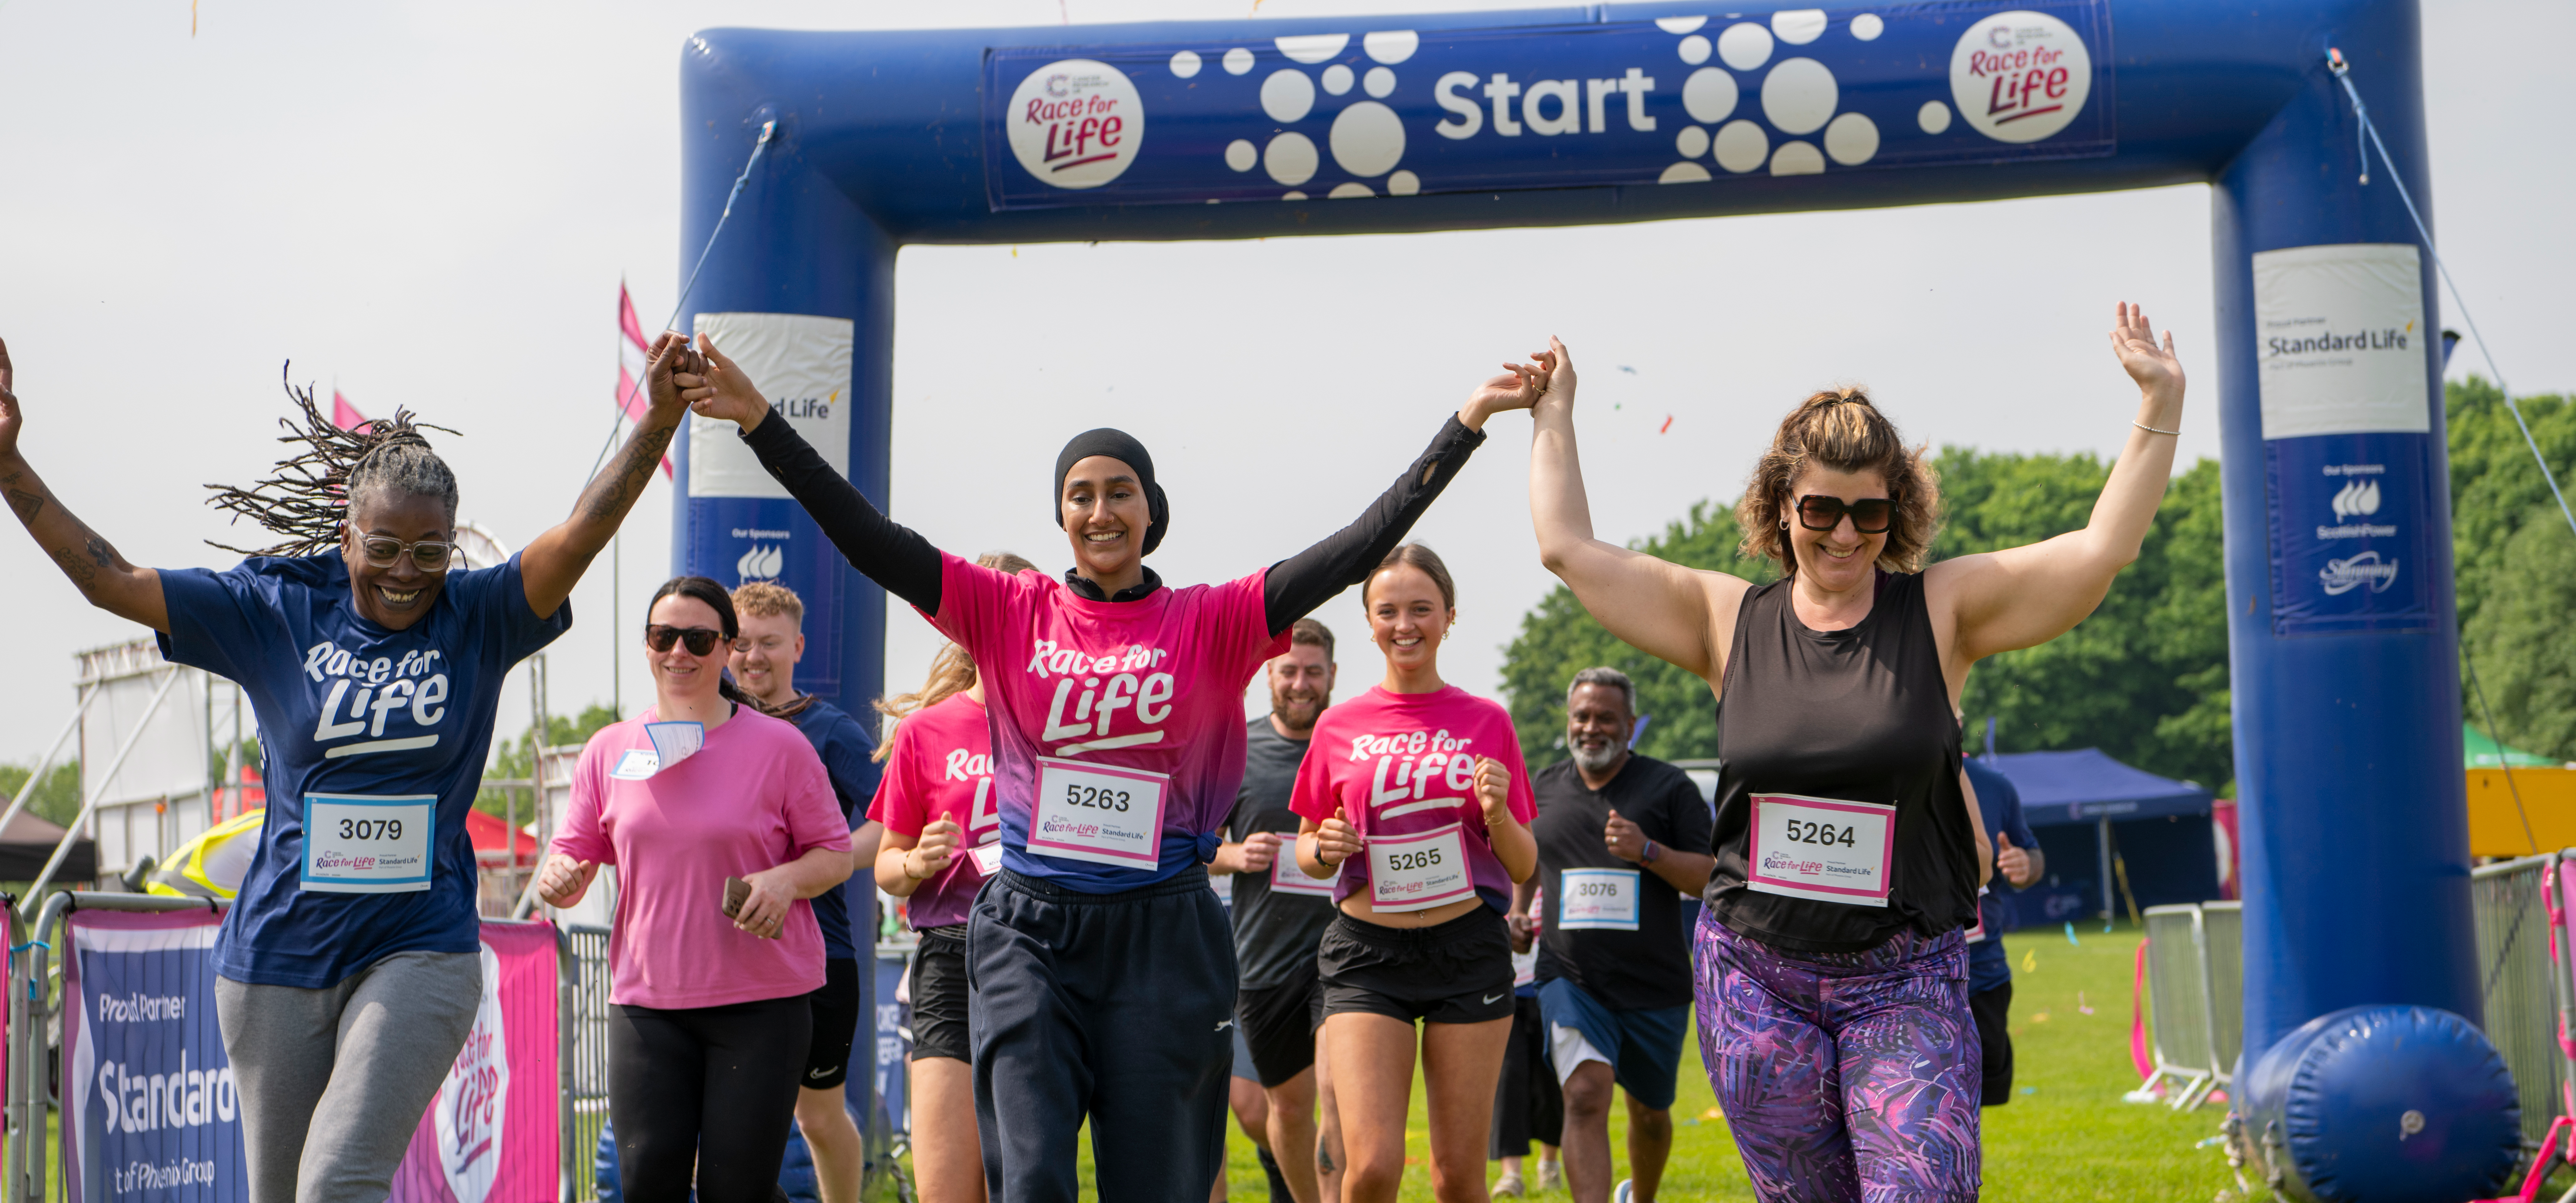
<point x="494" y="842"/>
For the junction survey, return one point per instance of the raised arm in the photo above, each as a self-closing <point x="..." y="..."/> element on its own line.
<point x="553" y="563"/>
<point x="93" y="565"/>
<point x="1660" y="608"/>
<point x="2023" y="596"/>
<point x="1295" y="586"/>
<point x="893" y="555"/>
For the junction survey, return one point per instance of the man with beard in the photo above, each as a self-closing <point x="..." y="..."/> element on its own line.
<point x="1622" y="839"/>
<point x="1280" y="915"/>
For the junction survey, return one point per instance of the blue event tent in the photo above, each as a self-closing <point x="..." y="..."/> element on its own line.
<point x="2090" y="811"/>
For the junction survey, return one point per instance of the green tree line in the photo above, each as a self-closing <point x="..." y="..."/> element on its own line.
<point x="2145" y="677"/>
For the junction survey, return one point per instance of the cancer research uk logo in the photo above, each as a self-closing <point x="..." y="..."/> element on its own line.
<point x="1076" y="123"/>
<point x="2020" y="76"/>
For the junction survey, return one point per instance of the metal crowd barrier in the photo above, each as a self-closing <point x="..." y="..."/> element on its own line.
<point x="2222" y="930"/>
<point x="34" y="986"/>
<point x="2523" y="987"/>
<point x="585" y="1058"/>
<point x="2182" y="1020"/>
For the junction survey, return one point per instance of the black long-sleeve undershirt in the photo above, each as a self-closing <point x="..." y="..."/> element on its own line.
<point x="906" y="565"/>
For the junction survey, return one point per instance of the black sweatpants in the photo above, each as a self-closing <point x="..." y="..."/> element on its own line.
<point x="1528" y="1103"/>
<point x="1992" y="1009"/>
<point x="1118" y="1007"/>
<point x="707" y="1088"/>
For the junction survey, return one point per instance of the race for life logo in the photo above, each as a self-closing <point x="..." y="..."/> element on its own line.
<point x="2020" y="76"/>
<point x="1076" y="123"/>
<point x="475" y="1099"/>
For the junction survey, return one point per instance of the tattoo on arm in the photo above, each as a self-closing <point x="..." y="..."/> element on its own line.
<point x="27" y="504"/>
<point x="612" y="493"/>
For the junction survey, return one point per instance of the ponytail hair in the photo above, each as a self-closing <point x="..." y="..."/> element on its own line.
<point x="952" y="671"/>
<point x="307" y="500"/>
<point x="703" y="589"/>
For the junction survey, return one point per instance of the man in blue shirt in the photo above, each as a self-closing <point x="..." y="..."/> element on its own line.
<point x="764" y="664"/>
<point x="2018" y="863"/>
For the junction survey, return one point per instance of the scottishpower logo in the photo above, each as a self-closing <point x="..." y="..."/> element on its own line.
<point x="761" y="563"/>
<point x="2356" y="499"/>
<point x="2354" y="503"/>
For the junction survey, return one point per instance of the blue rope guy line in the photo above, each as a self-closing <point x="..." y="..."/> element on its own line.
<point x="2343" y="74"/>
<point x="768" y="130"/>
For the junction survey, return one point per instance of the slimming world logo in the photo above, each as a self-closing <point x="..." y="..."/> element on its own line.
<point x="2345" y="575"/>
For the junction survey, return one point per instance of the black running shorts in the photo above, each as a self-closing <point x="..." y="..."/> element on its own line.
<point x="939" y="995"/>
<point x="1279" y="1023"/>
<point x="1457" y="972"/>
<point x="836" y="1025"/>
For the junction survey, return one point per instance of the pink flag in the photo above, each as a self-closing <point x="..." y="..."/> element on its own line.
<point x="344" y="415"/>
<point x="632" y="357"/>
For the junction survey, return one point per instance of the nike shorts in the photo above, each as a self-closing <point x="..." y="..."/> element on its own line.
<point x="1457" y="972"/>
<point x="836" y="1025"/>
<point x="1280" y="1024"/>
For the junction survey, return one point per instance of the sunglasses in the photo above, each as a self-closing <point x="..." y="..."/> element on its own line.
<point x="699" y="640"/>
<point x="383" y="551"/>
<point x="1869" y="515"/>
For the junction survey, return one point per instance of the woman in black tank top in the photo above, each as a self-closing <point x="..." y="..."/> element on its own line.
<point x="1831" y="968"/>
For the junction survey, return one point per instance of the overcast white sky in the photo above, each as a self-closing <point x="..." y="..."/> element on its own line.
<point x="432" y="204"/>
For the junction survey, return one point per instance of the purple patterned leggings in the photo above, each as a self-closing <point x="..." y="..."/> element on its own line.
<point x="1844" y="1076"/>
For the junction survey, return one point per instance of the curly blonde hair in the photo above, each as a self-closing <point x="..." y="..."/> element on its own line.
<point x="1841" y="429"/>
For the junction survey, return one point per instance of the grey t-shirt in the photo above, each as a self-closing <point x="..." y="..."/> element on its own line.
<point x="1273" y="932"/>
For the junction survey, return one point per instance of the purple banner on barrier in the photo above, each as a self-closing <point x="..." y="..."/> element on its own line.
<point x="149" y="1108"/>
<point x="151" y="1113"/>
<point x="490" y="1135"/>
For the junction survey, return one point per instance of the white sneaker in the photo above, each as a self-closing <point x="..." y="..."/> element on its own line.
<point x="1510" y="1184"/>
<point x="1619" y="1193"/>
<point x="1551" y="1175"/>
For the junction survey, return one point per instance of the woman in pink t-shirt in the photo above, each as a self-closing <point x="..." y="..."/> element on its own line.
<point x="1414" y="797"/>
<point x="942" y="839"/>
<point x="1103" y="965"/>
<point x="709" y="1028"/>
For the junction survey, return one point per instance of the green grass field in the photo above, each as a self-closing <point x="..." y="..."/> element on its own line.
<point x="2066" y="1136"/>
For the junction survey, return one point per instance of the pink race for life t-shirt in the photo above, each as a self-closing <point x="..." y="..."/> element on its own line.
<point x="942" y="768"/>
<point x="753" y="798"/>
<point x="1402" y="769"/>
<point x="1130" y="714"/>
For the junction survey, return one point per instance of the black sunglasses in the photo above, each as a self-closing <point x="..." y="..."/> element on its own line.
<point x="1869" y="515"/>
<point x="700" y="640"/>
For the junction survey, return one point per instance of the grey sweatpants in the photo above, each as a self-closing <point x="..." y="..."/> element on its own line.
<point x="333" y="1082"/>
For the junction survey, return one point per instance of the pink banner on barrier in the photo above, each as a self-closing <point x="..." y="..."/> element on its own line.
<point x="490" y="1135"/>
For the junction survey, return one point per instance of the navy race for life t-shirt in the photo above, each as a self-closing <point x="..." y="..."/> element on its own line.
<point x="370" y="722"/>
<point x="1999" y="804"/>
<point x="843" y="744"/>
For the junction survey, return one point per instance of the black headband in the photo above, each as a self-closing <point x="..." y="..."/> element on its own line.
<point x="1121" y="446"/>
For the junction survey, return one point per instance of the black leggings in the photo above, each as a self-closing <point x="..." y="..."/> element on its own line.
<point x="713" y="1086"/>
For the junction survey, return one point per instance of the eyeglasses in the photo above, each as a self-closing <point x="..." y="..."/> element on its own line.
<point x="699" y="640"/>
<point x="383" y="550"/>
<point x="1869" y="515"/>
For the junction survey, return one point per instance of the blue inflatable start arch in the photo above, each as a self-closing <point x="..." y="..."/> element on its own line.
<point x="2346" y="695"/>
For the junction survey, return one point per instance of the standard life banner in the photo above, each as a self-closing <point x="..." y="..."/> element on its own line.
<point x="1689" y="100"/>
<point x="151" y="1111"/>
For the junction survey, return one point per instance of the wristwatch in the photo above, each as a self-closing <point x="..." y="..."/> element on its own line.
<point x="1652" y="851"/>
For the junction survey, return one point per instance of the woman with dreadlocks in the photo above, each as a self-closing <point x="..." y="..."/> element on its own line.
<point x="348" y="971"/>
